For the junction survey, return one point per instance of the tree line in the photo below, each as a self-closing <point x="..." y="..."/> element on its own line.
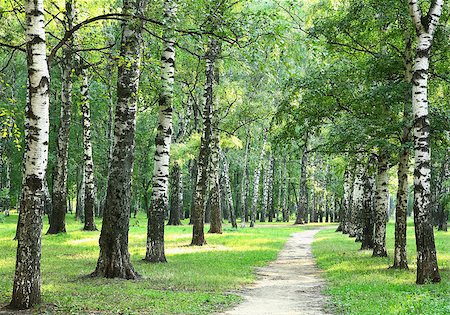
<point x="251" y="111"/>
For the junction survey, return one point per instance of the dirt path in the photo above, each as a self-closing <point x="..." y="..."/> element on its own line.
<point x="291" y="284"/>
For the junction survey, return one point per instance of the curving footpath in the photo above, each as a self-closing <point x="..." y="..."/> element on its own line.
<point x="292" y="284"/>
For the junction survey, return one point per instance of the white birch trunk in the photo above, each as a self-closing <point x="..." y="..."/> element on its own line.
<point x="159" y="201"/>
<point x="427" y="267"/>
<point x="27" y="282"/>
<point x="88" y="170"/>
<point x="381" y="206"/>
<point x="256" y="176"/>
<point x="59" y="194"/>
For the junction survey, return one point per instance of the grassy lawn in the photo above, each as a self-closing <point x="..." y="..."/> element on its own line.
<point x="197" y="280"/>
<point x="360" y="284"/>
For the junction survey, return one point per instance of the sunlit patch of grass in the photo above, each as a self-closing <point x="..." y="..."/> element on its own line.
<point x="196" y="280"/>
<point x="361" y="284"/>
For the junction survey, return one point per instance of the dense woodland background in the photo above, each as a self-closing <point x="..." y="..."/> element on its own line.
<point x="302" y="110"/>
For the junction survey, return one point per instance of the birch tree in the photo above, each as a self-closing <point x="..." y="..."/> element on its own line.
<point x="198" y="234"/>
<point x="27" y="277"/>
<point x="381" y="197"/>
<point x="427" y="267"/>
<point x="114" y="259"/>
<point x="245" y="184"/>
<point x="228" y="193"/>
<point x="256" y="176"/>
<point x="301" y="210"/>
<point x="400" y="255"/>
<point x="216" y="206"/>
<point x="88" y="169"/>
<point x="59" y="194"/>
<point x="159" y="201"/>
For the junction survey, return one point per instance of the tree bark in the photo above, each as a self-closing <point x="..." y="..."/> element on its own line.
<point x="284" y="200"/>
<point x="27" y="277"/>
<point x="198" y="234"/>
<point x="301" y="210"/>
<point x="216" y="205"/>
<point x="159" y="201"/>
<point x="400" y="255"/>
<point x="114" y="259"/>
<point x="88" y="170"/>
<point x="444" y="191"/>
<point x="228" y="193"/>
<point x="256" y="176"/>
<point x="270" y="189"/>
<point x="357" y="201"/>
<point x="427" y="266"/>
<point x="262" y="217"/>
<point x="381" y="205"/>
<point x="368" y="210"/>
<point x="59" y="196"/>
<point x="176" y="204"/>
<point x="245" y="185"/>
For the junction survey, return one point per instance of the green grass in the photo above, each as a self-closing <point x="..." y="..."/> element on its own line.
<point x="196" y="280"/>
<point x="361" y="284"/>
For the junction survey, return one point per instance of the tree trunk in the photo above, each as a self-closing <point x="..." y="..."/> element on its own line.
<point x="256" y="176"/>
<point x="301" y="210"/>
<point x="368" y="210"/>
<point x="265" y="196"/>
<point x="27" y="277"/>
<point x="245" y="185"/>
<point x="427" y="267"/>
<point x="444" y="191"/>
<point x="198" y="234"/>
<point x="216" y="206"/>
<point x="59" y="197"/>
<point x="346" y="211"/>
<point x="159" y="201"/>
<point x="400" y="255"/>
<point x="381" y="205"/>
<point x="357" y="201"/>
<point x="81" y="197"/>
<point x="114" y="259"/>
<point x="193" y="173"/>
<point x="88" y="170"/>
<point x="284" y="196"/>
<point x="270" y="208"/>
<point x="176" y="205"/>
<point x="228" y="193"/>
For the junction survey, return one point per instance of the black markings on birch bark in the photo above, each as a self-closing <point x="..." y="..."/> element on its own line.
<point x="88" y="169"/>
<point x="59" y="194"/>
<point x="368" y="209"/>
<point x="427" y="267"/>
<point x="245" y="184"/>
<point x="198" y="235"/>
<point x="228" y="192"/>
<point x="27" y="281"/>
<point x="256" y="176"/>
<point x="381" y="206"/>
<point x="270" y="208"/>
<point x="176" y="194"/>
<point x="159" y="202"/>
<point x="216" y="206"/>
<point x="302" y="210"/>
<point x="400" y="255"/>
<point x="114" y="259"/>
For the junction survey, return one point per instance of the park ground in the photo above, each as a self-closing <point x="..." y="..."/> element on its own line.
<point x="205" y="280"/>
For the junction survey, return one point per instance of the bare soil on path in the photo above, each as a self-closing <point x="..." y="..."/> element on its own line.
<point x="292" y="284"/>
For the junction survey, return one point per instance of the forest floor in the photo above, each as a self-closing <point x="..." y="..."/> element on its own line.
<point x="292" y="284"/>
<point x="358" y="283"/>
<point x="196" y="280"/>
